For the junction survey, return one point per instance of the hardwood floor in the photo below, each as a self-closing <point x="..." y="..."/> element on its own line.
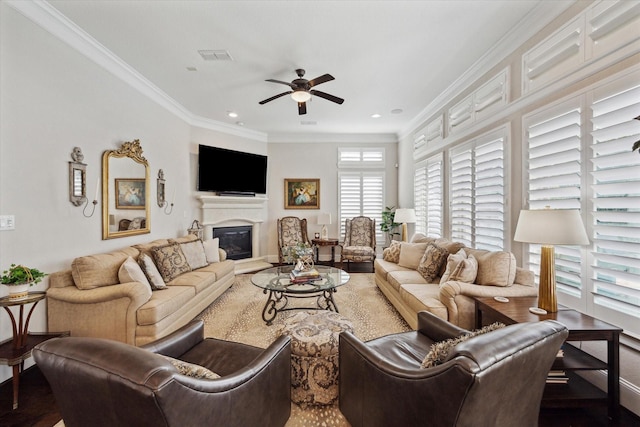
<point x="38" y="408"/>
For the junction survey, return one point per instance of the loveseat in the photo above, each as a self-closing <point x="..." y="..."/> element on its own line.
<point x="139" y="293"/>
<point x="410" y="275"/>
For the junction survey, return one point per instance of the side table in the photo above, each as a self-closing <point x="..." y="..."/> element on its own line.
<point x="326" y="242"/>
<point x="577" y="392"/>
<point x="14" y="351"/>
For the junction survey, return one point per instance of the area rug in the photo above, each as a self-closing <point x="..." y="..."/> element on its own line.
<point x="237" y="316"/>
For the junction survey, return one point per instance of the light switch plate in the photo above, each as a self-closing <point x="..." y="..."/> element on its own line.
<point x="7" y="222"/>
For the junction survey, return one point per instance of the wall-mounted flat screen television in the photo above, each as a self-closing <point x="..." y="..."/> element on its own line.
<point x="231" y="172"/>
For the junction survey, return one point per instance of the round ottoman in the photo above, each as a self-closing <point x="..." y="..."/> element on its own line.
<point x="314" y="355"/>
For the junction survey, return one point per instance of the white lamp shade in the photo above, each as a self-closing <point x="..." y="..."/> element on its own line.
<point x="551" y="227"/>
<point x="324" y="218"/>
<point x="405" y="216"/>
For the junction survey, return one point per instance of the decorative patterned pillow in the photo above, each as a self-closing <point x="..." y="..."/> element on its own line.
<point x="411" y="254"/>
<point x="151" y="271"/>
<point x="191" y="369"/>
<point x="392" y="253"/>
<point x="460" y="267"/>
<point x="130" y="271"/>
<point x="194" y="252"/>
<point x="170" y="261"/>
<point x="431" y="262"/>
<point x="211" y="247"/>
<point x="441" y="350"/>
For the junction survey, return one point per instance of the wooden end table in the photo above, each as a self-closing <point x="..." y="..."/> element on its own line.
<point x="14" y="351"/>
<point x="577" y="392"/>
<point x="326" y="242"/>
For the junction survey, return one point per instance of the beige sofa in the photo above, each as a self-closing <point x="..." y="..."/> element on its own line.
<point x="89" y="299"/>
<point x="402" y="279"/>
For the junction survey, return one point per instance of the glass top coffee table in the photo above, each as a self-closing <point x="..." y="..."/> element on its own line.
<point x="276" y="281"/>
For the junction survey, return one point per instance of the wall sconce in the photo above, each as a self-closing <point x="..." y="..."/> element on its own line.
<point x="162" y="202"/>
<point x="78" y="182"/>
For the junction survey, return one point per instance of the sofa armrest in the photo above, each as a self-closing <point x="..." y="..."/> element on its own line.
<point x="179" y="342"/>
<point x="107" y="312"/>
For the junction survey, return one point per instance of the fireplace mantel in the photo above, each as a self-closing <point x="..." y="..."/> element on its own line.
<point x="230" y="211"/>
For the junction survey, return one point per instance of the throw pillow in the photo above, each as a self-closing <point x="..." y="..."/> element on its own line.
<point x="211" y="247"/>
<point x="460" y="267"/>
<point x="194" y="252"/>
<point x="170" y="261"/>
<point x="191" y="369"/>
<point x="440" y="350"/>
<point x="411" y="254"/>
<point x="431" y="262"/>
<point x="151" y="271"/>
<point x="130" y="271"/>
<point x="392" y="253"/>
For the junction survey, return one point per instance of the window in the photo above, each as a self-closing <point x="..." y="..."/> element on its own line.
<point x="579" y="157"/>
<point x="361" y="157"/>
<point x="362" y="193"/>
<point x="477" y="186"/>
<point x="428" y="196"/>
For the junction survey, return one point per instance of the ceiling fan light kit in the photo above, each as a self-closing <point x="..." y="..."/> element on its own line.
<point x="302" y="90"/>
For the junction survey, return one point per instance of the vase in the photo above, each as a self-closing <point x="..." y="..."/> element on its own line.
<point x="19" y="291"/>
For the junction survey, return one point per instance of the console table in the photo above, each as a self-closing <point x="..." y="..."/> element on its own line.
<point x="14" y="351"/>
<point x="326" y="242"/>
<point x="577" y="392"/>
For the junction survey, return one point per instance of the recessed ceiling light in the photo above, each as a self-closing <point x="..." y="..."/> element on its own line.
<point x="232" y="114"/>
<point x="396" y="111"/>
<point x="376" y="116"/>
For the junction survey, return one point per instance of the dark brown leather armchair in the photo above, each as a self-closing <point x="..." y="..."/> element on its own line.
<point x="98" y="382"/>
<point x="494" y="379"/>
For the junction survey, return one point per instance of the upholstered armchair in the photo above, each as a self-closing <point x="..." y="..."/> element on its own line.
<point x="359" y="241"/>
<point x="494" y="379"/>
<point x="100" y="382"/>
<point x="291" y="232"/>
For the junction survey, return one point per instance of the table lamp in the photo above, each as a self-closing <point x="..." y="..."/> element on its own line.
<point x="550" y="227"/>
<point x="404" y="216"/>
<point x="324" y="219"/>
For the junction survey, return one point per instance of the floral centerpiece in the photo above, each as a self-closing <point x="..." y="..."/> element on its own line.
<point x="301" y="254"/>
<point x="19" y="278"/>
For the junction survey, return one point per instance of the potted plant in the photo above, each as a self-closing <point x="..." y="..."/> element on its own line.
<point x="387" y="225"/>
<point x="19" y="278"/>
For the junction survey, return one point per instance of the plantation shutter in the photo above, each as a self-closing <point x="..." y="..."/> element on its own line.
<point x="478" y="193"/>
<point x="420" y="197"/>
<point x="433" y="196"/>
<point x="361" y="193"/>
<point x="615" y="181"/>
<point x="554" y="180"/>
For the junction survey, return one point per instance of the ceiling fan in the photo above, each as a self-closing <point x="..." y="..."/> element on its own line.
<point x="302" y="90"/>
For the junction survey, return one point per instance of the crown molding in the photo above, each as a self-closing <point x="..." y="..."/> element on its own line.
<point x="51" y="20"/>
<point x="369" y="138"/>
<point x="542" y="14"/>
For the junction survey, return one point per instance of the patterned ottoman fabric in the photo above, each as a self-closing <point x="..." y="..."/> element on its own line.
<point x="314" y="355"/>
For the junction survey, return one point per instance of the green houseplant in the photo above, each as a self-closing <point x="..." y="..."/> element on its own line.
<point x="387" y="225"/>
<point x="18" y="278"/>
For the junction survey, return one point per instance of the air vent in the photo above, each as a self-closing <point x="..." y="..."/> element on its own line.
<point x="308" y="122"/>
<point x="215" y="55"/>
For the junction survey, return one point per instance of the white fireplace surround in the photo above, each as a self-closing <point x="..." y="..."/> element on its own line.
<point x="234" y="211"/>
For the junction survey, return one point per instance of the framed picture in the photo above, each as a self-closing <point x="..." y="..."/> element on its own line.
<point x="301" y="193"/>
<point x="130" y="193"/>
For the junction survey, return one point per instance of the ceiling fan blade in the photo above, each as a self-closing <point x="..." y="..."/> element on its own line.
<point x="322" y="79"/>
<point x="302" y="108"/>
<point x="281" y="82"/>
<point x="275" y="97"/>
<point x="327" y="96"/>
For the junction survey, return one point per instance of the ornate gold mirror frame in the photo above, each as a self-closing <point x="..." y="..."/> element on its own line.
<point x="125" y="192"/>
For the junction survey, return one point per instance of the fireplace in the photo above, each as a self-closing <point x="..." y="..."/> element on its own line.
<point x="236" y="241"/>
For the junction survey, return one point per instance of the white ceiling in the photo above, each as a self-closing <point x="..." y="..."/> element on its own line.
<point x="384" y="55"/>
